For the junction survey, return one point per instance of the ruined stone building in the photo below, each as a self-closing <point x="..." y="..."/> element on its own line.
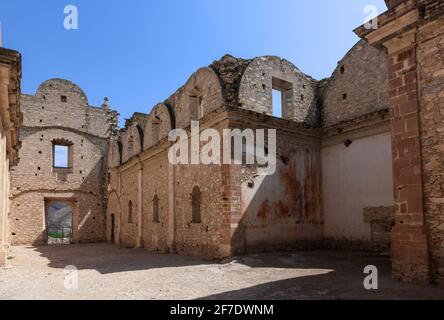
<point x="344" y="144"/>
<point x="338" y="124"/>
<point x="359" y="157"/>
<point x="59" y="122"/>
<point x="10" y="119"/>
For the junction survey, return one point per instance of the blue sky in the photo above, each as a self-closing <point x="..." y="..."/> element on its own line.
<point x="138" y="52"/>
<point x="61" y="156"/>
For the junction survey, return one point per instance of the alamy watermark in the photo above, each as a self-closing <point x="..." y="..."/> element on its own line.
<point x="71" y="278"/>
<point x="71" y="21"/>
<point x="371" y="281"/>
<point x="250" y="147"/>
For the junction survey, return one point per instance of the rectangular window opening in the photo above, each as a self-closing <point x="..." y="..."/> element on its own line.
<point x="282" y="97"/>
<point x="277" y="103"/>
<point x="61" y="156"/>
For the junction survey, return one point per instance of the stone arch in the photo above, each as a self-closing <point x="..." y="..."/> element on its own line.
<point x="263" y="74"/>
<point x="201" y="95"/>
<point x="141" y="135"/>
<point x="159" y="124"/>
<point x="131" y="140"/>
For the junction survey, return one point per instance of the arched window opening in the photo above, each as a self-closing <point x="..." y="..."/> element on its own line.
<point x="130" y="212"/>
<point x="196" y="205"/>
<point x="156" y="216"/>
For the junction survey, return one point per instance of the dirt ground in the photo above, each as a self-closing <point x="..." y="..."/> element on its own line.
<point x="107" y="272"/>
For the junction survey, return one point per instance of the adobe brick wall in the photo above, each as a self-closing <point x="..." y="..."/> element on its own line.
<point x="33" y="180"/>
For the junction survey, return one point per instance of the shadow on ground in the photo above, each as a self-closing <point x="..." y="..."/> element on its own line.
<point x="315" y="274"/>
<point x="106" y="258"/>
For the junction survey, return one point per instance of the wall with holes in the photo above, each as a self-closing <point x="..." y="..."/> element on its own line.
<point x="358" y="86"/>
<point x="59" y="113"/>
<point x="299" y="101"/>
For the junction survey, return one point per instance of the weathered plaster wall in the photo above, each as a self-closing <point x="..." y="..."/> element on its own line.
<point x="284" y="210"/>
<point x="354" y="178"/>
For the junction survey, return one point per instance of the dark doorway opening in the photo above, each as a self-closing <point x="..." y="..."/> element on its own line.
<point x="112" y="228"/>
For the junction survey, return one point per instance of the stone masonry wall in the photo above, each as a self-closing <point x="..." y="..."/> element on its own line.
<point x="240" y="212"/>
<point x="430" y="55"/>
<point x="155" y="182"/>
<point x="10" y="121"/>
<point x="129" y="193"/>
<point x="358" y="86"/>
<point x="60" y="111"/>
<point x="299" y="99"/>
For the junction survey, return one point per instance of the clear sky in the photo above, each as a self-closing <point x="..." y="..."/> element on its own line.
<point x="138" y="52"/>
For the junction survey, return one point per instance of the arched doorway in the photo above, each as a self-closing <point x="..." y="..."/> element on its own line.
<point x="59" y="222"/>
